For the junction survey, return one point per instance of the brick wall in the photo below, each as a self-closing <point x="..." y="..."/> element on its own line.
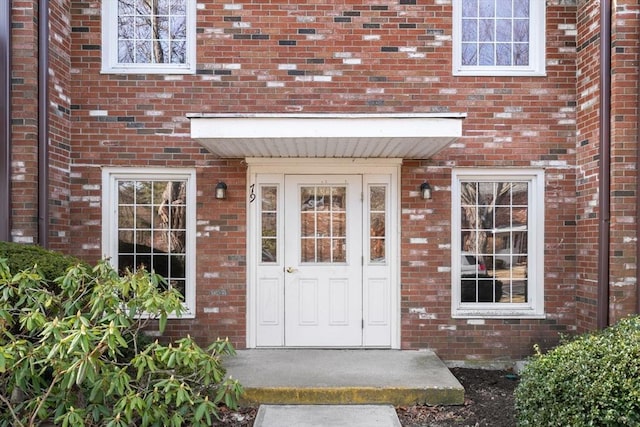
<point x="624" y="152"/>
<point x="624" y="155"/>
<point x="587" y="163"/>
<point x="24" y="121"/>
<point x="334" y="57"/>
<point x="59" y="123"/>
<point x="25" y="133"/>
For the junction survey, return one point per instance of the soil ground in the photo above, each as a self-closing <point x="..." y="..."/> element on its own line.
<point x="489" y="402"/>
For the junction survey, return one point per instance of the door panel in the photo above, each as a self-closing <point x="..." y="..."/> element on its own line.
<point x="323" y="260"/>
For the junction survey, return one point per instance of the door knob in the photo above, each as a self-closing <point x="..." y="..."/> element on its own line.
<point x="289" y="269"/>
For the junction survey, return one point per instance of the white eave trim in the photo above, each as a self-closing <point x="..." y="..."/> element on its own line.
<point x="416" y="135"/>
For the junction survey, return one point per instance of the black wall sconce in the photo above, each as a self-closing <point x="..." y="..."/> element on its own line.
<point x="221" y="190"/>
<point x="425" y="191"/>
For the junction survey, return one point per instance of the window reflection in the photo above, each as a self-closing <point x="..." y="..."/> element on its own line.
<point x="269" y="223"/>
<point x="494" y="237"/>
<point x="152" y="228"/>
<point x="323" y="219"/>
<point x="495" y="33"/>
<point x="377" y="224"/>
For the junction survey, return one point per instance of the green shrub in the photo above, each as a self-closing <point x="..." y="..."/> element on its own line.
<point x="593" y="380"/>
<point x="50" y="264"/>
<point x="73" y="356"/>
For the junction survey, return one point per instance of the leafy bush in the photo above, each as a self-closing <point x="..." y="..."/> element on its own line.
<point x="62" y="354"/>
<point x="593" y="380"/>
<point x="50" y="264"/>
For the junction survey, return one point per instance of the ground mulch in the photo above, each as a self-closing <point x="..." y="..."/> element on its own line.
<point x="489" y="402"/>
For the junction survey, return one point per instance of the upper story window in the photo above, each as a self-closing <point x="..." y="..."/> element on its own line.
<point x="149" y="221"/>
<point x="149" y="36"/>
<point x="498" y="243"/>
<point x="498" y="37"/>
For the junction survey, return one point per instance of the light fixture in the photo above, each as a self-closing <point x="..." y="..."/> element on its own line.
<point x="425" y="191"/>
<point x="221" y="190"/>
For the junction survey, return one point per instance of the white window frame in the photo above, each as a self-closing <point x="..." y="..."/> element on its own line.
<point x="537" y="42"/>
<point x="110" y="64"/>
<point x="534" y="307"/>
<point x="110" y="178"/>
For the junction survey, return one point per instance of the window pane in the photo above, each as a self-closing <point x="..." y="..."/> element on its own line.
<point x="521" y="54"/>
<point x="470" y="8"/>
<point x="495" y="33"/>
<point x="521" y="30"/>
<point x="493" y="237"/>
<point x="486" y="54"/>
<point x="323" y="246"/>
<point x="269" y="198"/>
<point x="486" y="8"/>
<point x="178" y="28"/>
<point x="503" y="30"/>
<point x="142" y="7"/>
<point x="378" y="198"/>
<point x="125" y="8"/>
<point x="323" y="224"/>
<point x="486" y="29"/>
<point x="469" y="54"/>
<point x="469" y="30"/>
<point x="269" y="224"/>
<point x="521" y="8"/>
<point x="377" y="224"/>
<point x="377" y="250"/>
<point x="152" y="226"/>
<point x="269" y="217"/>
<point x="338" y="225"/>
<point x="269" y="250"/>
<point x="339" y="251"/>
<point x="156" y="31"/>
<point x="503" y="54"/>
<point x="504" y="8"/>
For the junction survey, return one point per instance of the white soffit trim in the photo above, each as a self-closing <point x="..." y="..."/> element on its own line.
<point x="408" y="136"/>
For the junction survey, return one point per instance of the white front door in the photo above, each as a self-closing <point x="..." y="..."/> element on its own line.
<point x="323" y="261"/>
<point x="323" y="255"/>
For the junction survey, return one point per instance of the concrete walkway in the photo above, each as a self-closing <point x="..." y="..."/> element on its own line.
<point x="327" y="416"/>
<point x="344" y="377"/>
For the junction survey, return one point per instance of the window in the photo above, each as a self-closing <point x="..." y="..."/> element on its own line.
<point x="498" y="37"/>
<point x="148" y="36"/>
<point x="497" y="243"/>
<point x="377" y="224"/>
<point x="323" y="220"/>
<point x="269" y="223"/>
<point x="149" y="221"/>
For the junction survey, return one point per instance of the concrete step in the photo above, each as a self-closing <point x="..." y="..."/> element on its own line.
<point x="327" y="415"/>
<point x="344" y="377"/>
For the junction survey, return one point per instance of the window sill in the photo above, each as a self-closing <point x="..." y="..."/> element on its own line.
<point x="498" y="73"/>
<point x="497" y="314"/>
<point x="148" y="70"/>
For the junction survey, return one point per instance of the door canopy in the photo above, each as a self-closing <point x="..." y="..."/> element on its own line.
<point x="408" y="136"/>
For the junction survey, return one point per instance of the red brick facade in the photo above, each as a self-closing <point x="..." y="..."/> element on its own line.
<point x="345" y="57"/>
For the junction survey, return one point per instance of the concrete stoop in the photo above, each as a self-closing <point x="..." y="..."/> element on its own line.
<point x="344" y="377"/>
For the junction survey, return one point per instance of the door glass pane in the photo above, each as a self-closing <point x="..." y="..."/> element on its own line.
<point x="269" y="220"/>
<point x="377" y="224"/>
<point x="323" y="224"/>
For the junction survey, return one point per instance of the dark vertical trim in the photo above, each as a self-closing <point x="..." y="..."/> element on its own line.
<point x="604" y="171"/>
<point x="43" y="123"/>
<point x="5" y="121"/>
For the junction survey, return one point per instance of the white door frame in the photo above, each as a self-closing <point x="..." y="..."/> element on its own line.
<point x="278" y="167"/>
